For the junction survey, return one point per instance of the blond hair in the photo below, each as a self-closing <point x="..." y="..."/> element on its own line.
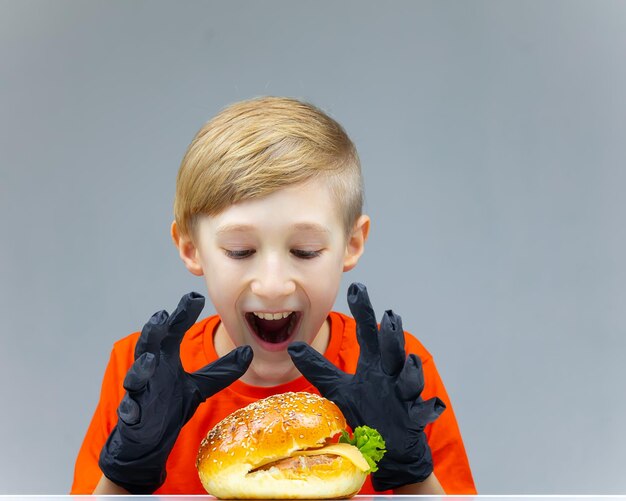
<point x="255" y="147"/>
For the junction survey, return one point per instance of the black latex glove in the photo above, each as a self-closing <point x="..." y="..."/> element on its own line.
<point x="384" y="393"/>
<point x="161" y="397"/>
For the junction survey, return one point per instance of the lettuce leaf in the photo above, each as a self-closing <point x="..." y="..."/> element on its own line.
<point x="369" y="442"/>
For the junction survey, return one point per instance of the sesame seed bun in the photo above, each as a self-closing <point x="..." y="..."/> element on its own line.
<point x="244" y="455"/>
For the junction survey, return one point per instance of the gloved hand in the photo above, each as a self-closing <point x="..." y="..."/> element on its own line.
<point x="384" y="393"/>
<point x="161" y="397"/>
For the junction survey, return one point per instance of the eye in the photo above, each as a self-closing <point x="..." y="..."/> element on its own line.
<point x="303" y="254"/>
<point x="238" y="254"/>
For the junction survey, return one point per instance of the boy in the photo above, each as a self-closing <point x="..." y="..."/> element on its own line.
<point x="269" y="210"/>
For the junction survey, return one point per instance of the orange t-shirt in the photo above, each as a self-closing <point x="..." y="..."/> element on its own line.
<point x="197" y="350"/>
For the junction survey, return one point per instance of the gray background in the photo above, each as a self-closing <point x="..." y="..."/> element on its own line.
<point x="492" y="136"/>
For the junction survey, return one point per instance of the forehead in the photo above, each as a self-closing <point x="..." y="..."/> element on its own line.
<point x="305" y="208"/>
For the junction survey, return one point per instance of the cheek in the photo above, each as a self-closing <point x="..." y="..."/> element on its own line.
<point x="324" y="282"/>
<point x="221" y="283"/>
<point x="223" y="293"/>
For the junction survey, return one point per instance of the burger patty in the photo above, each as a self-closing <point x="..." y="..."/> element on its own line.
<point x="298" y="462"/>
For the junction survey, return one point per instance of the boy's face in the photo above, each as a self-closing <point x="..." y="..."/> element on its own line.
<point x="280" y="257"/>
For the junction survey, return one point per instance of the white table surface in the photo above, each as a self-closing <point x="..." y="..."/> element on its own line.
<point x="355" y="498"/>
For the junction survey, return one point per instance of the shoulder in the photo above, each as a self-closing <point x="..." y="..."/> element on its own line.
<point x="124" y="348"/>
<point x="412" y="344"/>
<point x="127" y="343"/>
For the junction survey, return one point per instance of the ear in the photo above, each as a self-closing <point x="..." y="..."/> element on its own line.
<point x="356" y="242"/>
<point x="187" y="251"/>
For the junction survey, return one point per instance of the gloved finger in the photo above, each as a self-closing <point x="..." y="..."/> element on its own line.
<point x="411" y="379"/>
<point x="366" y="327"/>
<point x="315" y="368"/>
<point x="424" y="412"/>
<point x="225" y="370"/>
<point x="391" y="339"/>
<point x="181" y="319"/>
<point x="129" y="411"/>
<point x="140" y="373"/>
<point x="152" y="334"/>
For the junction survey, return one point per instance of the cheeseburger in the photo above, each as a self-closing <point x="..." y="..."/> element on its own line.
<point x="281" y="447"/>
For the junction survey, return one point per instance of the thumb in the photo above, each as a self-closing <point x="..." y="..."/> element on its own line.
<point x="424" y="412"/>
<point x="314" y="367"/>
<point x="224" y="371"/>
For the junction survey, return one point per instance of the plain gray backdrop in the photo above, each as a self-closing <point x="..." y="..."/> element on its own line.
<point x="493" y="141"/>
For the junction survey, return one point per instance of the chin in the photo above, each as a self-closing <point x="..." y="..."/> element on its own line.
<point x="280" y="448"/>
<point x="275" y="370"/>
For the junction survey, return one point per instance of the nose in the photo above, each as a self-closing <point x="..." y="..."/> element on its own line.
<point x="273" y="279"/>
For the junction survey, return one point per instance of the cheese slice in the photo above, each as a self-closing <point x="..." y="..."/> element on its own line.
<point x="350" y="452"/>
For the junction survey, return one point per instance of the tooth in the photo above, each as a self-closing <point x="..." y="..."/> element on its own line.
<point x="272" y="316"/>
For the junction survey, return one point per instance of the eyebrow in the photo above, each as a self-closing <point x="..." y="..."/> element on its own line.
<point x="242" y="228"/>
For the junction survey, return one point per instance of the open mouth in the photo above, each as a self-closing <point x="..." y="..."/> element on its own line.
<point x="273" y="328"/>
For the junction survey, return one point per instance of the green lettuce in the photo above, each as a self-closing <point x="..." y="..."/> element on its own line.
<point x="369" y="442"/>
